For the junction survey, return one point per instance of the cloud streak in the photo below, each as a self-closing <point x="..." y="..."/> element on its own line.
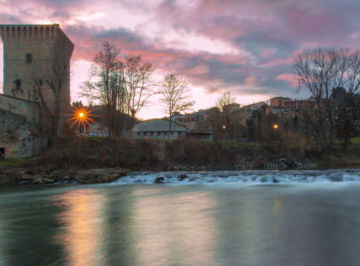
<point x="244" y="46"/>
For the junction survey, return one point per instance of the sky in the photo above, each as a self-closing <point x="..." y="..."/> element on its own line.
<point x="242" y="46"/>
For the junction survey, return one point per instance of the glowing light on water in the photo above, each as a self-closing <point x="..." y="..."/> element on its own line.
<point x="179" y="221"/>
<point x="82" y="222"/>
<point x="1" y="66"/>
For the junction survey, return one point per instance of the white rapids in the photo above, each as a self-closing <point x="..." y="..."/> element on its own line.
<point x="251" y="177"/>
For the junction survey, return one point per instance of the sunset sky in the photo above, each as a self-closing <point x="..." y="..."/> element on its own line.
<point x="244" y="46"/>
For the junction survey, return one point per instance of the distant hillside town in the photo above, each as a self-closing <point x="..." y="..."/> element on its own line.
<point x="209" y="124"/>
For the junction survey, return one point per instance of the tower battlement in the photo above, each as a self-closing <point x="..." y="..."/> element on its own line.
<point x="30" y="33"/>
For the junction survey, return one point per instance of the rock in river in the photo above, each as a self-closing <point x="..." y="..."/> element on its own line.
<point x="159" y="180"/>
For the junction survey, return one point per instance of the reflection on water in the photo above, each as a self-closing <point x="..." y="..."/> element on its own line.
<point x="159" y="229"/>
<point x="277" y="213"/>
<point x="2" y="243"/>
<point x="175" y="229"/>
<point x="82" y="222"/>
<point x="180" y="225"/>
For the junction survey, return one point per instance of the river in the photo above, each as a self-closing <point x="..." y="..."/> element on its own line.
<point x="209" y="218"/>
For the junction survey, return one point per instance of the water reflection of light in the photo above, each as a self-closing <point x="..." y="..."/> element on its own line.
<point x="1" y="66"/>
<point x="3" y="242"/>
<point x="175" y="229"/>
<point x="82" y="226"/>
<point x="277" y="212"/>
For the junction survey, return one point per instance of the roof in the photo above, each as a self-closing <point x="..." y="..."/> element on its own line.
<point x="200" y="132"/>
<point x="157" y="125"/>
<point x="280" y="97"/>
<point x="258" y="104"/>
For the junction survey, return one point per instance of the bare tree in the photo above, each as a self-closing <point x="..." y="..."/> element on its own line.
<point x="225" y="100"/>
<point x="319" y="71"/>
<point x="346" y="99"/>
<point x="106" y="85"/>
<point x="174" y="97"/>
<point x="136" y="79"/>
<point x="121" y="86"/>
<point x="351" y="63"/>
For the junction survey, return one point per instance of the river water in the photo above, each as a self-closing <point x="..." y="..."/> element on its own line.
<point x="209" y="218"/>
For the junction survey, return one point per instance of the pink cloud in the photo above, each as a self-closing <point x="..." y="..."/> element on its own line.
<point x="250" y="81"/>
<point x="278" y="62"/>
<point x="267" y="53"/>
<point x="265" y="35"/>
<point x="289" y="78"/>
<point x="199" y="70"/>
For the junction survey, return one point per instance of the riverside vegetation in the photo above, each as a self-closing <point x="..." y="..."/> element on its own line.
<point x="100" y="160"/>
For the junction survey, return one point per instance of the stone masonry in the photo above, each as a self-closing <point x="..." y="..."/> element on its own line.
<point x="36" y="58"/>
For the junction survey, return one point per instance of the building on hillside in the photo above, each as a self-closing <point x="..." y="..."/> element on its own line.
<point x="302" y="104"/>
<point x="201" y="134"/>
<point x="95" y="130"/>
<point x="36" y="58"/>
<point x="196" y="125"/>
<point x="246" y="111"/>
<point x="158" y="129"/>
<point x="232" y="107"/>
<point x="284" y="104"/>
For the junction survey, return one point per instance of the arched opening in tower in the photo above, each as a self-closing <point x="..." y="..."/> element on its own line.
<point x="1" y="67"/>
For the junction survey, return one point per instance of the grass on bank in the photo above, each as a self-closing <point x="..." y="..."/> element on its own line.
<point x="97" y="152"/>
<point x="17" y="162"/>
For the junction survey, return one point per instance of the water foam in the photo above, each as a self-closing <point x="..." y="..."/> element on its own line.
<point x="243" y="177"/>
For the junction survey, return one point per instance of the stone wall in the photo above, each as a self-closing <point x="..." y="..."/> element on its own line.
<point x="27" y="109"/>
<point x="19" y="137"/>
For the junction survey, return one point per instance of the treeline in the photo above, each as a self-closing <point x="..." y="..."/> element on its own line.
<point x="123" y="84"/>
<point x="331" y="78"/>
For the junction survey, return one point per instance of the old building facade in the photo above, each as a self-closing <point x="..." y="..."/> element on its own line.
<point x="36" y="86"/>
<point x="158" y="129"/>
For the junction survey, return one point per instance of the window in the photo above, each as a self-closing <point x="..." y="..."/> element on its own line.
<point x="18" y="84"/>
<point x="28" y="58"/>
<point x="158" y="133"/>
<point x="138" y="133"/>
<point x="2" y="153"/>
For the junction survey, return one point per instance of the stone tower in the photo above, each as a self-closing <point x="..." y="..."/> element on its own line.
<point x="36" y="56"/>
<point x="36" y="87"/>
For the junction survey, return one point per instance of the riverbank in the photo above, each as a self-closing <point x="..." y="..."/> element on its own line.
<point x="46" y="175"/>
<point x="102" y="160"/>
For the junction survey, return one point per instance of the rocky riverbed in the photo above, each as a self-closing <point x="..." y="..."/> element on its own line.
<point x="48" y="176"/>
<point x="53" y="174"/>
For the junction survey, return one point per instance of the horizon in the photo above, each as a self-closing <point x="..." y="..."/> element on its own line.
<point x="246" y="48"/>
